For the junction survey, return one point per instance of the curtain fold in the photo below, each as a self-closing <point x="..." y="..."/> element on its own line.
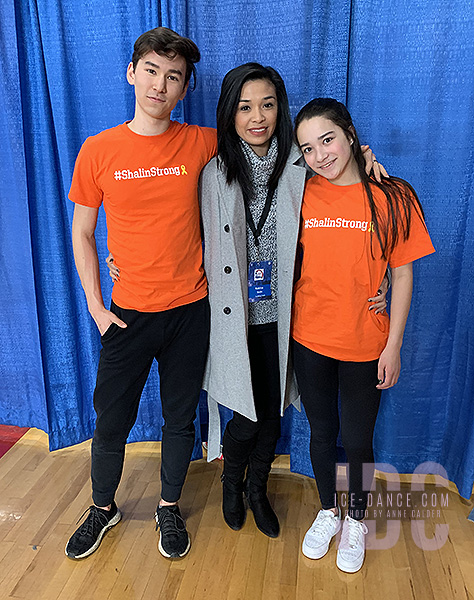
<point x="22" y="385"/>
<point x="405" y="71"/>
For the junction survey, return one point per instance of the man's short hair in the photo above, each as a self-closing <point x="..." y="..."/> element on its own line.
<point x="168" y="43"/>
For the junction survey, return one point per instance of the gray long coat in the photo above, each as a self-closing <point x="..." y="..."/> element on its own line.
<point x="227" y="378"/>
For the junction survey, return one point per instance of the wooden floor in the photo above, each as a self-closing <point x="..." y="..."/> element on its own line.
<point x="43" y="494"/>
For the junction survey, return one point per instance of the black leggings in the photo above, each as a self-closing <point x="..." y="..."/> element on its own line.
<point x="261" y="435"/>
<point x="320" y="378"/>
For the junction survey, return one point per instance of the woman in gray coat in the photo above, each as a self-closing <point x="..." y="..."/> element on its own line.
<point x="250" y="202"/>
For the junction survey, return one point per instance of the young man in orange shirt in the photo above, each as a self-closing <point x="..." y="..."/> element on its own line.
<point x="145" y="172"/>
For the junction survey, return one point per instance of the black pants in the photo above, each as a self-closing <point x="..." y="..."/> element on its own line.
<point x="178" y="339"/>
<point x="257" y="440"/>
<point x="320" y="378"/>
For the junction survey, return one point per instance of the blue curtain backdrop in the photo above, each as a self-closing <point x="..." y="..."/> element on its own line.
<point x="405" y="70"/>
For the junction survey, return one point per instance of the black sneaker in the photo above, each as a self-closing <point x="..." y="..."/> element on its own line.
<point x="174" y="540"/>
<point x="86" y="539"/>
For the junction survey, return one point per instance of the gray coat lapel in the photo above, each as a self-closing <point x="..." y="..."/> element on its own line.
<point x="234" y="212"/>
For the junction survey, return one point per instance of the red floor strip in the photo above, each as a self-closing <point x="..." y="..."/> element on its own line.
<point x="9" y="435"/>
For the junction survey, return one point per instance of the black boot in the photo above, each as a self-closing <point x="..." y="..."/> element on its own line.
<point x="233" y="507"/>
<point x="236" y="455"/>
<point x="264" y="515"/>
<point x="260" y="463"/>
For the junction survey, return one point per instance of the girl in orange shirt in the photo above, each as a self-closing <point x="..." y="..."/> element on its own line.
<point x="352" y="227"/>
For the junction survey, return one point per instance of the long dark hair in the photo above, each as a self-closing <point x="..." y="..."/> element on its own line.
<point x="229" y="150"/>
<point x="400" y="197"/>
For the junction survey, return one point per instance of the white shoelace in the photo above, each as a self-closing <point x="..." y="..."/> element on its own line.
<point x="352" y="533"/>
<point x="323" y="524"/>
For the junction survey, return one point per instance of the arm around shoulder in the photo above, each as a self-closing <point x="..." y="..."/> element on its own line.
<point x="208" y="186"/>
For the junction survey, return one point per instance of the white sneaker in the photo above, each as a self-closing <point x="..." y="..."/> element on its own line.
<point x="351" y="550"/>
<point x="319" y="535"/>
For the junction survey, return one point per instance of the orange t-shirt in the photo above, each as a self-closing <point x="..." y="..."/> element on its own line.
<point x="148" y="185"/>
<point x="338" y="275"/>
